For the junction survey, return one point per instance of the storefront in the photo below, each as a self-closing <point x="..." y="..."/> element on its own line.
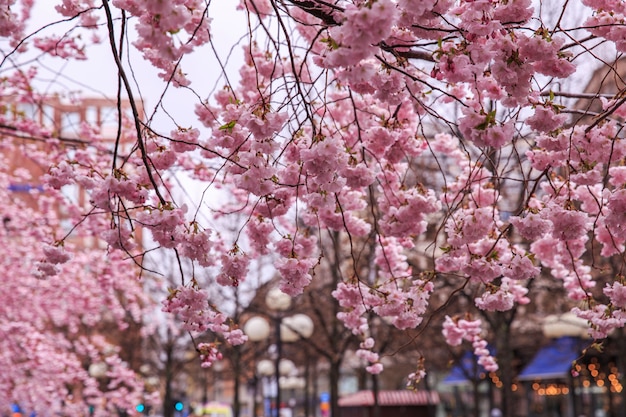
<point x="400" y="403"/>
<point x="467" y="389"/>
<point x="562" y="382"/>
<point x="548" y="380"/>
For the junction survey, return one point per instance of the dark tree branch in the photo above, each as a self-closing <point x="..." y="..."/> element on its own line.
<point x="318" y="9"/>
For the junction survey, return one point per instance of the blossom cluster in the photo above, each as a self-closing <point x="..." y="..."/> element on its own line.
<point x="157" y="25"/>
<point x="458" y="330"/>
<point x="190" y="305"/>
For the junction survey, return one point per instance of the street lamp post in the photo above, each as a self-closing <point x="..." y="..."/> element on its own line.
<point x="265" y="369"/>
<point x="287" y="329"/>
<point x="292" y="383"/>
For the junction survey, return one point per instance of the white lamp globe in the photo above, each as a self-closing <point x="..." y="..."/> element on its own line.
<point x="292" y="382"/>
<point x="277" y="300"/>
<point x="265" y="367"/>
<point x="295" y="327"/>
<point x="257" y="329"/>
<point x="98" y="370"/>
<point x="286" y="367"/>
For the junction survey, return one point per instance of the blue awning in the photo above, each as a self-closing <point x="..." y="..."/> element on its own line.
<point x="466" y="370"/>
<point x="553" y="361"/>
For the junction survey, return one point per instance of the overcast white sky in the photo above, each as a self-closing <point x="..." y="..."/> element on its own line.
<point x="97" y="75"/>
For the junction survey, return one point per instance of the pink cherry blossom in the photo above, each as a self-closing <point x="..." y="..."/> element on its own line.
<point x="208" y="354"/>
<point x="234" y="268"/>
<point x="295" y="274"/>
<point x="56" y="254"/>
<point x="189" y="305"/>
<point x="545" y="119"/>
<point x="617" y="293"/>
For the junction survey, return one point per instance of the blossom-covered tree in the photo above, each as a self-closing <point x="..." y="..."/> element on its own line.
<point x="326" y="126"/>
<point x="63" y="306"/>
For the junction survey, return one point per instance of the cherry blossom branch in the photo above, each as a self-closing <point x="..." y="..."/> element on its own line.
<point x="127" y="87"/>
